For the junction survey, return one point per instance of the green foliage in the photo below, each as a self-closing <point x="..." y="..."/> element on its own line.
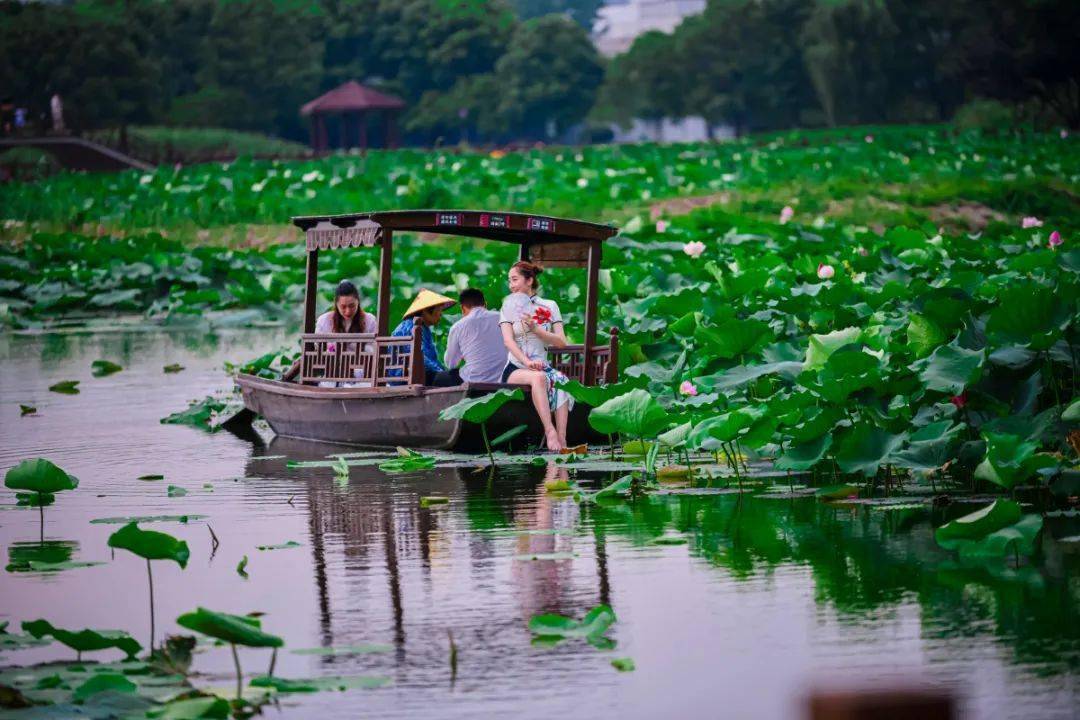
<point x="594" y="624"/>
<point x="635" y="414"/>
<point x="479" y="410"/>
<point x="39" y="476"/>
<point x="234" y="629"/>
<point x="150" y="544"/>
<point x="84" y="640"/>
<point x="993" y="532"/>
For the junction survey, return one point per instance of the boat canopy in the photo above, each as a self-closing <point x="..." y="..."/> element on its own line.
<point x="553" y="241"/>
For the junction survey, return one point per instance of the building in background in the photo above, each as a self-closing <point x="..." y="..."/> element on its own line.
<point x="620" y="21"/>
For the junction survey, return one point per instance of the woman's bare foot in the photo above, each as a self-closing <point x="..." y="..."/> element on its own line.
<point x="552" y="438"/>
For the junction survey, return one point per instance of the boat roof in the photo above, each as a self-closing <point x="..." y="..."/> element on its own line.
<point x="357" y="229"/>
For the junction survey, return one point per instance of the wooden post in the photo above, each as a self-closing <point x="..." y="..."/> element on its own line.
<point x="416" y="361"/>
<point x="311" y="291"/>
<point x="361" y="122"/>
<point x="523" y="251"/>
<point x="386" y="261"/>
<point x="343" y="130"/>
<point x="596" y="249"/>
<point x="612" y="374"/>
<point x="390" y="119"/>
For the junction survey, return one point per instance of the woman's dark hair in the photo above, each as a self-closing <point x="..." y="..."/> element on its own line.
<point x="529" y="271"/>
<point x="347" y="289"/>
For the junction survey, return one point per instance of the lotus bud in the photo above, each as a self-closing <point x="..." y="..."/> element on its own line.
<point x="786" y="214"/>
<point x="1055" y="239"/>
<point x="661" y="226"/>
<point x="824" y="271"/>
<point x="687" y="388"/>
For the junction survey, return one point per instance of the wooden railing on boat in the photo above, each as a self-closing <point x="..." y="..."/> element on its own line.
<point x="369" y="360"/>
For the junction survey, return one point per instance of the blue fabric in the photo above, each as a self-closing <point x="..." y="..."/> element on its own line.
<point x="432" y="364"/>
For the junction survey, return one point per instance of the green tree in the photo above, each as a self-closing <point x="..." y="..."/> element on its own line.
<point x="548" y="78"/>
<point x="583" y="12"/>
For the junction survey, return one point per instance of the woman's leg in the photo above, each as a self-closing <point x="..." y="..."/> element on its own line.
<point x="562" y="417"/>
<point x="537" y="382"/>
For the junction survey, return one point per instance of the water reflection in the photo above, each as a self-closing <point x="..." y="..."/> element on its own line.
<point x="863" y="562"/>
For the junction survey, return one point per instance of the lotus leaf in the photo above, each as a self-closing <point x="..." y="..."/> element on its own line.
<point x="979" y="524"/>
<point x="1018" y="538"/>
<point x="635" y="413"/>
<point x="480" y="409"/>
<point x="596" y="622"/>
<point x="804" y="455"/>
<point x="234" y="629"/>
<point x="1011" y="460"/>
<point x="40" y="476"/>
<point x="865" y="448"/>
<point x="951" y="368"/>
<point x="102" y="368"/>
<point x="214" y="708"/>
<point x="330" y="682"/>
<point x="84" y="640"/>
<point x="623" y="664"/>
<point x="734" y="338"/>
<point x="150" y="544"/>
<point x="100" y="682"/>
<point x="1029" y="315"/>
<point x="823" y="346"/>
<point x="66" y="387"/>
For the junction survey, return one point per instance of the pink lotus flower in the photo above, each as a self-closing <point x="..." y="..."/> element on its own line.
<point x="959" y="400"/>
<point x="825" y="271"/>
<point x="694" y="249"/>
<point x="1030" y="222"/>
<point x="661" y="226"/>
<point x="863" y="251"/>
<point x="687" y="388"/>
<point x="1064" y="134"/>
<point x="1055" y="240"/>
<point x="786" y="214"/>
<point x="869" y="138"/>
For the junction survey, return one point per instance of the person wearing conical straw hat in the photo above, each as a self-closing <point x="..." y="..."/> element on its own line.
<point x="427" y="309"/>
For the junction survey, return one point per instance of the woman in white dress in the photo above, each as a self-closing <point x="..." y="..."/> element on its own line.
<point x="344" y="317"/>
<point x="530" y="325"/>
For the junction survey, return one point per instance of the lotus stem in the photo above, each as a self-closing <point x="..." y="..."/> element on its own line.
<point x="611" y="445"/>
<point x="41" y="517"/>
<point x="239" y="676"/>
<point x="453" y="655"/>
<point x="150" y="578"/>
<point x="487" y="445"/>
<point x="273" y="662"/>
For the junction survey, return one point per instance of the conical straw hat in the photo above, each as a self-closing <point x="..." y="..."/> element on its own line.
<point x="427" y="299"/>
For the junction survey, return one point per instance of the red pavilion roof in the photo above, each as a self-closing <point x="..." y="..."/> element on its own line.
<point x="352" y="96"/>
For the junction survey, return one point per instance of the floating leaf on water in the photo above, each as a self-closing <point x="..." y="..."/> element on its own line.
<point x="673" y="472"/>
<point x="345" y="650"/>
<point x="623" y="664"/>
<point x="282" y="546"/>
<point x="151" y="477"/>
<point x="307" y="685"/>
<point x="341" y="468"/>
<point x="174" y="368"/>
<point x="146" y="519"/>
<point x="176" y="491"/>
<point x="900" y="506"/>
<point x="26" y="410"/>
<point x="836" y="492"/>
<point x="408" y="464"/>
<point x="66" y="387"/>
<point x="557" y="486"/>
<point x="101" y="682"/>
<point x="430" y="500"/>
<point x="241" y="568"/>
<point x="995" y="516"/>
<point x="669" y="540"/>
<point x="36" y="566"/>
<point x="596" y="622"/>
<point x="102" y="368"/>
<point x="215" y="708"/>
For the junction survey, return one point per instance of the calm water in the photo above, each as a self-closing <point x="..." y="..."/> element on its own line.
<point x="767" y="599"/>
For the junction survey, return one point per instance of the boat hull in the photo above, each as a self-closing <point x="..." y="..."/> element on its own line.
<point x="407" y="415"/>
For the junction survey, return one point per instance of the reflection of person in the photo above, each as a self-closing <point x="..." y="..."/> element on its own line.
<point x="530" y="325"/>
<point x="546" y="527"/>
<point x="427" y="309"/>
<point x="477" y="340"/>
<point x="56" y="106"/>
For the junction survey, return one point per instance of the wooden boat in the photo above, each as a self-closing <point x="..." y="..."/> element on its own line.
<point x="397" y="408"/>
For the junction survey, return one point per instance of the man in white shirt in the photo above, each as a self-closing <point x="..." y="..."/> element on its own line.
<point x="477" y="339"/>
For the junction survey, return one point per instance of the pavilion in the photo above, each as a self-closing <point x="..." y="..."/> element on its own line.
<point x="350" y="105"/>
